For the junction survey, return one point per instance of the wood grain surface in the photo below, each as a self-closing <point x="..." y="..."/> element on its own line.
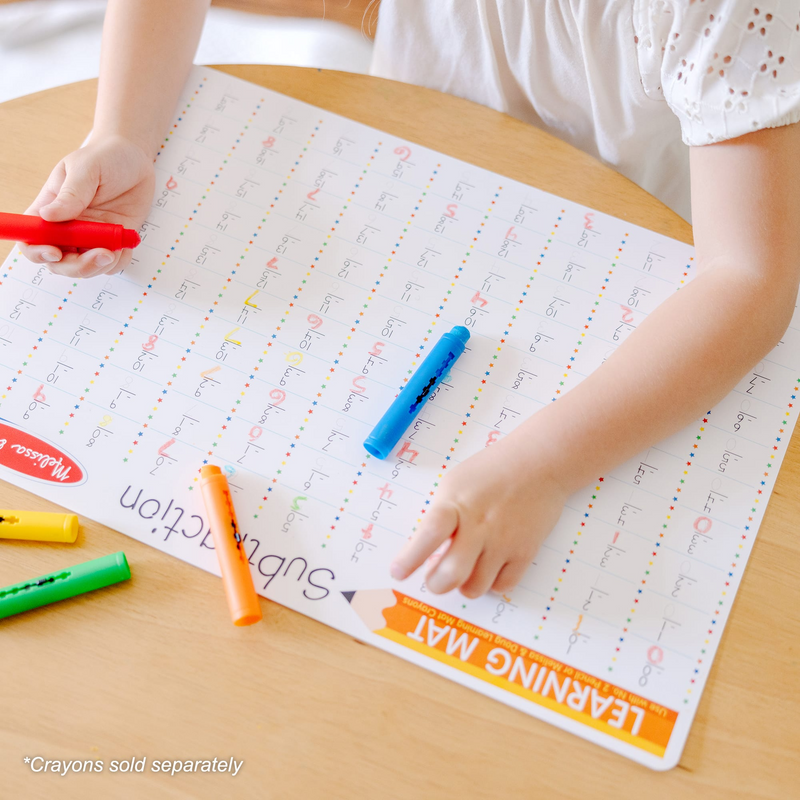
<point x="154" y="668"/>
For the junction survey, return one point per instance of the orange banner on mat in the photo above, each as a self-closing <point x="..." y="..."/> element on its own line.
<point x="517" y="669"/>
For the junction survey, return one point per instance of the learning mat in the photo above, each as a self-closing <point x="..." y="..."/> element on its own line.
<point x="295" y="269"/>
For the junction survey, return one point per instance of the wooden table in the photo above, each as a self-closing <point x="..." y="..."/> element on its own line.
<point x="156" y="668"/>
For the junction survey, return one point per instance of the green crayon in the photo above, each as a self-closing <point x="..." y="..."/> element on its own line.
<point x="69" y="582"/>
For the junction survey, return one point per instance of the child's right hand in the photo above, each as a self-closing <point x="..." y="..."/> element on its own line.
<point x="109" y="180"/>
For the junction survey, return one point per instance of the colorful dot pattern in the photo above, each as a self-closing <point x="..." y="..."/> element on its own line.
<point x="132" y="316"/>
<point x="237" y="265"/>
<point x="34" y="346"/>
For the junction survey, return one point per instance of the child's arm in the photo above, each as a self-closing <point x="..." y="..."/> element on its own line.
<point x="148" y="46"/>
<point x="683" y="359"/>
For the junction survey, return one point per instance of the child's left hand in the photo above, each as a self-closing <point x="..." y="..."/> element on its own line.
<point x="499" y="506"/>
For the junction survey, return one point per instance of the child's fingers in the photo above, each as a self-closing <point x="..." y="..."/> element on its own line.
<point x="40" y="253"/>
<point x="438" y="554"/>
<point x="438" y="527"/>
<point x="74" y="195"/>
<point x="123" y="261"/>
<point x="510" y="575"/>
<point x="457" y="564"/>
<point x="50" y="189"/>
<point x="96" y="262"/>
<point x="483" y="576"/>
<point x="85" y="265"/>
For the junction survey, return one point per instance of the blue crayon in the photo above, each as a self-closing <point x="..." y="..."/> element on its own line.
<point x="402" y="412"/>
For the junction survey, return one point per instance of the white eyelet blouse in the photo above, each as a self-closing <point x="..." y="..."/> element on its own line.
<point x="631" y="82"/>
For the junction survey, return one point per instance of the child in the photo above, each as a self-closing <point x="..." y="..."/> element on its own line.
<point x="620" y="79"/>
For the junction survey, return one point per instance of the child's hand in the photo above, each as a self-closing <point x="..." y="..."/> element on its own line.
<point x="498" y="505"/>
<point x="111" y="180"/>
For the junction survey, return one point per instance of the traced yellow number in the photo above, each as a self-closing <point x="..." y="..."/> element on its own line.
<point x="247" y="301"/>
<point x="294" y="358"/>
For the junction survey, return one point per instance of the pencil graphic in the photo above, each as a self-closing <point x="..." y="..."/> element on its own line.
<point x="518" y="670"/>
<point x="370" y="605"/>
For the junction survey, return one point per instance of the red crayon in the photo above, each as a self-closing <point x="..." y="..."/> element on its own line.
<point x="77" y="233"/>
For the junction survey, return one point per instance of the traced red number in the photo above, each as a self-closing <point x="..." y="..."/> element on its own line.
<point x="273" y="263"/>
<point x="255" y="432"/>
<point x="385" y="490"/>
<point x="376" y="348"/>
<point x="587" y="220"/>
<point x="39" y="395"/>
<point x="277" y="396"/>
<point x="314" y="321"/>
<point x="172" y="183"/>
<point x="367" y="531"/>
<point x="269" y="141"/>
<point x="311" y="195"/>
<point x="406" y="448"/>
<point x="476" y="298"/>
<point x="493" y="437"/>
<point x="510" y="234"/>
<point x="702" y="524"/>
<point x="403" y="152"/>
<point x="150" y="343"/>
<point x="451" y="210"/>
<point x="627" y="315"/>
<point x="165" y="446"/>
<point x="655" y="655"/>
<point x="357" y="387"/>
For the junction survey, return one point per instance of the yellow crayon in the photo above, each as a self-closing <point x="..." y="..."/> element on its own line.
<point x="38" y="526"/>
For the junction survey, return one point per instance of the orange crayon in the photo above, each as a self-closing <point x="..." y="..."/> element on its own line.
<point x="236" y="576"/>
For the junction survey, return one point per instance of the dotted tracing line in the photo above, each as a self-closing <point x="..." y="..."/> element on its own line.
<point x="487" y="373"/>
<point x="599" y="484"/>
<point x="367" y="532"/>
<point x="590" y="318"/>
<point x="292" y="356"/>
<point x="107" y="356"/>
<point x="224" y="288"/>
<point x="373" y="293"/>
<point x="755" y="509"/>
<point x="34" y="348"/>
<point x="175" y="126"/>
<point x="575" y="542"/>
<point x="476" y="397"/>
<point x="657" y="544"/>
<point x="456" y="277"/>
<point x="686" y="277"/>
<point x="357" y="321"/>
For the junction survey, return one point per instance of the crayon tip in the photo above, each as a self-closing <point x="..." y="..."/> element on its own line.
<point x="130" y="238"/>
<point x="71" y="526"/>
<point x="461" y="333"/>
<point x="377" y="446"/>
<point x="121" y="561"/>
<point x="208" y="470"/>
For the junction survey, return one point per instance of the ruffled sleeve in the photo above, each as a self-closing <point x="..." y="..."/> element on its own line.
<point x="724" y="67"/>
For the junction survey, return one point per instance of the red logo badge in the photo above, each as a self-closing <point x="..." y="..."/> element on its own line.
<point x="37" y="458"/>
